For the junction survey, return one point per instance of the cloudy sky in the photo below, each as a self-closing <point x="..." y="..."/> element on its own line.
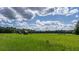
<point x="39" y="18"/>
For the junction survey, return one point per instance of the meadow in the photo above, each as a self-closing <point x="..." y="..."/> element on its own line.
<point x="39" y="42"/>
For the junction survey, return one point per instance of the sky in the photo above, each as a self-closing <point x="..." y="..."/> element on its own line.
<point x="39" y="18"/>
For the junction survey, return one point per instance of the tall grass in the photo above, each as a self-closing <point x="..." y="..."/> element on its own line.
<point x="39" y="42"/>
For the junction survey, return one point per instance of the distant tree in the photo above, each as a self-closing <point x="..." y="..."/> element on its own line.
<point x="77" y="28"/>
<point x="7" y="30"/>
<point x="24" y="31"/>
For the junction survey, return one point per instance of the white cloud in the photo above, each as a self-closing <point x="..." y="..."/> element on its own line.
<point x="21" y="25"/>
<point x="45" y="12"/>
<point x="74" y="21"/>
<point x="39" y="23"/>
<point x="30" y="11"/>
<point x="53" y="25"/>
<point x="61" y="11"/>
<point x="14" y="11"/>
<point x="73" y="11"/>
<point x="48" y="25"/>
<point x="56" y="11"/>
<point x="68" y="27"/>
<point x="76" y="16"/>
<point x="17" y="17"/>
<point x="2" y="17"/>
<point x="65" y="11"/>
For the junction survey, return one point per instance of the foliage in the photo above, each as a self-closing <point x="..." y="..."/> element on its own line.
<point x="77" y="28"/>
<point x="26" y="31"/>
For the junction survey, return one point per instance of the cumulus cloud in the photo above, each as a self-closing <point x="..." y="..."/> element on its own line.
<point x="65" y="11"/>
<point x="21" y="25"/>
<point x="61" y="11"/>
<point x="45" y="12"/>
<point x="53" y="25"/>
<point x="36" y="8"/>
<point x="30" y="12"/>
<point x="2" y="17"/>
<point x="18" y="17"/>
<point x="17" y="13"/>
<point x="57" y="11"/>
<point x="74" y="21"/>
<point x="25" y="13"/>
<point x="7" y="13"/>
<point x="73" y="11"/>
<point x="48" y="25"/>
<point x="15" y="17"/>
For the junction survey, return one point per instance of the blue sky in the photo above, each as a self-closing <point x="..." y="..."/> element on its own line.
<point x="39" y="18"/>
<point x="63" y="18"/>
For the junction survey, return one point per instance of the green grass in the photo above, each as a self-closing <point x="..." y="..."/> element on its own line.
<point x="39" y="42"/>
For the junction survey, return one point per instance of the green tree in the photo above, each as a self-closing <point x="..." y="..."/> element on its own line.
<point x="77" y="28"/>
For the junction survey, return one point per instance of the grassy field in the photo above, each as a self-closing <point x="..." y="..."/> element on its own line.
<point x="39" y="42"/>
